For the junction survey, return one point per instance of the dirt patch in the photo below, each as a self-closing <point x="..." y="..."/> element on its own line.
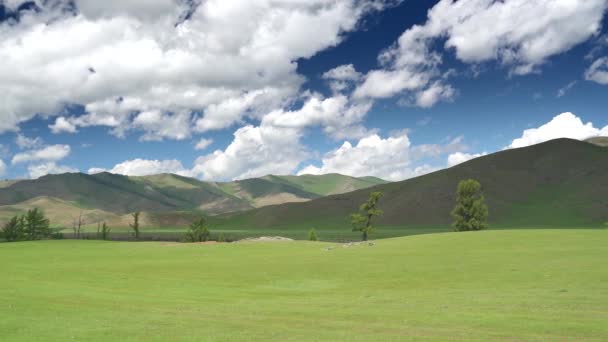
<point x="267" y="239"/>
<point x="189" y="243"/>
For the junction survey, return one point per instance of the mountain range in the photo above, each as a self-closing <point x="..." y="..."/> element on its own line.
<point x="165" y="199"/>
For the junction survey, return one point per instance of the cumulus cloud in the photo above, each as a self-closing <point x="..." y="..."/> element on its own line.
<point x="215" y="62"/>
<point x="144" y="167"/>
<point x="203" y="144"/>
<point x="565" y="125"/>
<point x="338" y="115"/>
<point x="342" y="77"/>
<point x="461" y="157"/>
<point x="62" y="125"/>
<point x="388" y="158"/>
<point x="519" y="34"/>
<point x="50" y="153"/>
<point x="39" y="170"/>
<point x="598" y="71"/>
<point x="255" y="151"/>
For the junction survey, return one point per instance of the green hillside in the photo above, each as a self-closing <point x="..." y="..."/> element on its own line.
<point x="116" y="195"/>
<point x="559" y="183"/>
<point x="532" y="285"/>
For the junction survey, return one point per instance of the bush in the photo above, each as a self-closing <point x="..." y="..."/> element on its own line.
<point x="221" y="238"/>
<point x="198" y="231"/>
<point x="312" y="235"/>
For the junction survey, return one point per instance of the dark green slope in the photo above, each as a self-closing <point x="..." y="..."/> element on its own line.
<point x="558" y="183"/>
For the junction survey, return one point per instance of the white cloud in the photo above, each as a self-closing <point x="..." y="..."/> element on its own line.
<point x="562" y="91"/>
<point x="254" y="152"/>
<point x="2" y="168"/>
<point x="25" y="143"/>
<point x="39" y="170"/>
<point x="50" y="153"/>
<point x="339" y="117"/>
<point x="461" y="157"/>
<point x="389" y="158"/>
<point x="342" y="77"/>
<point x="62" y="125"/>
<point x="230" y="60"/>
<point x="598" y="71"/>
<point x="434" y="93"/>
<point x="520" y="34"/>
<point x="158" y="126"/>
<point x="565" y="125"/>
<point x="203" y="144"/>
<point x="143" y="167"/>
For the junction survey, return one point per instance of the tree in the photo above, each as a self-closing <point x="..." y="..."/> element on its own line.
<point x="221" y="238"/>
<point x="103" y="231"/>
<point x="13" y="229"/>
<point x="77" y="226"/>
<point x="198" y="231"/>
<point x="135" y="225"/>
<point x="362" y="221"/>
<point x="312" y="235"/>
<point x="36" y="226"/>
<point x="470" y="212"/>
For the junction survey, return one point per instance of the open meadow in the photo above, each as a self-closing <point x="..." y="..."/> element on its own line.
<point x="512" y="285"/>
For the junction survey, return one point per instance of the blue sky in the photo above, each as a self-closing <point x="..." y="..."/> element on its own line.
<point x="393" y="89"/>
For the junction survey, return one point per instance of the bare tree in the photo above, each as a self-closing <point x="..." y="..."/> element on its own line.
<point x="77" y="227"/>
<point x="135" y="225"/>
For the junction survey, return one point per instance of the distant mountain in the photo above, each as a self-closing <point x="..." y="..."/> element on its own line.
<point x="560" y="183"/>
<point x="600" y="141"/>
<point x="167" y="199"/>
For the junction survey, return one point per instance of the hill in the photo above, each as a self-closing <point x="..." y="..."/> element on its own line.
<point x="600" y="141"/>
<point x="106" y="196"/>
<point x="516" y="285"/>
<point x="560" y="183"/>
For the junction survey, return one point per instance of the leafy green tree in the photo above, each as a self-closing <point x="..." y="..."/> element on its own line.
<point x="471" y="212"/>
<point x="135" y="225"/>
<point x="36" y="226"/>
<point x="198" y="231"/>
<point x="312" y="235"/>
<point x="362" y="221"/>
<point x="13" y="229"/>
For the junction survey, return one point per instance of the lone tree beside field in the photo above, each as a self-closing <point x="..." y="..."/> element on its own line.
<point x="135" y="225"/>
<point x="312" y="235"/>
<point x="198" y="231"/>
<point x="362" y="221"/>
<point x="471" y="212"/>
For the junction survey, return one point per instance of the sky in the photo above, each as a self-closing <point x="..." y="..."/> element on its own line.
<point x="222" y="90"/>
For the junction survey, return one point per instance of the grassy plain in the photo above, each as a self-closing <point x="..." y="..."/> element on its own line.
<point x="512" y="285"/>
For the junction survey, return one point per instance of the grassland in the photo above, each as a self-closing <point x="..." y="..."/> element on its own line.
<point x="545" y="285"/>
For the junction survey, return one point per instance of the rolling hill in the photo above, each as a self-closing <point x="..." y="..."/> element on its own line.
<point x="600" y="141"/>
<point x="165" y="199"/>
<point x="560" y="183"/>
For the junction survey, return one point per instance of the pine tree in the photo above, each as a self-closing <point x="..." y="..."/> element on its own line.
<point x="470" y="213"/>
<point x="198" y="231"/>
<point x="312" y="235"/>
<point x="36" y="226"/>
<point x="13" y="229"/>
<point x="362" y="221"/>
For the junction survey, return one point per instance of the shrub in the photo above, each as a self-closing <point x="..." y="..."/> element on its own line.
<point x="312" y="235"/>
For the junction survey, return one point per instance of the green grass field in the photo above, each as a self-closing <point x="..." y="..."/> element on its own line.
<point x="519" y="285"/>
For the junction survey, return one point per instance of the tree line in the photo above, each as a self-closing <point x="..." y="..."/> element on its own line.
<point x="470" y="213"/>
